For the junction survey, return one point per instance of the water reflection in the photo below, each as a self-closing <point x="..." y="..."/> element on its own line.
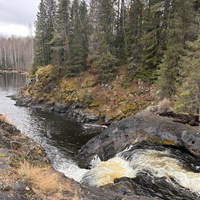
<point x="61" y="138"/>
<point x="13" y="80"/>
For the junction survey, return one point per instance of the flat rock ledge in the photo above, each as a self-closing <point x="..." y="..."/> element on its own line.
<point x="144" y="126"/>
<point x="73" y="111"/>
<point x="15" y="147"/>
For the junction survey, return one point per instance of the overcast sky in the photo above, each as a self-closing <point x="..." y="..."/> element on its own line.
<point x="16" y="15"/>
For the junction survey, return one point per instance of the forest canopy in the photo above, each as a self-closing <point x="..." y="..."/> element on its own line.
<point x="157" y="41"/>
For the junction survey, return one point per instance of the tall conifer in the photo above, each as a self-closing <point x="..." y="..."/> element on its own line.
<point x="178" y="29"/>
<point x="43" y="35"/>
<point x="77" y="39"/>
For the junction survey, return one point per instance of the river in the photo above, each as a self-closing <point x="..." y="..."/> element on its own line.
<point x="154" y="170"/>
<point x="60" y="137"/>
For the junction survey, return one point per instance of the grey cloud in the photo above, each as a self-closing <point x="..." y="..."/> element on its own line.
<point x="20" y="12"/>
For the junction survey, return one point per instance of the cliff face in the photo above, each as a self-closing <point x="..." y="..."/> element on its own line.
<point x="84" y="99"/>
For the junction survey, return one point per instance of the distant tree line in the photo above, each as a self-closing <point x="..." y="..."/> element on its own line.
<point x="16" y="53"/>
<point x="158" y="40"/>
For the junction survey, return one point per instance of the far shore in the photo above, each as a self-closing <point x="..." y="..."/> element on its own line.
<point x="13" y="71"/>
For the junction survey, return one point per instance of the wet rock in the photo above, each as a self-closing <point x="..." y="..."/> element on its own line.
<point x="58" y="107"/>
<point x="143" y="126"/>
<point x="4" y="186"/>
<point x="40" y="107"/>
<point x="12" y="130"/>
<point x="21" y="187"/>
<point x="23" y="101"/>
<point x="123" y="187"/>
<point x="91" y="118"/>
<point x="107" y="120"/>
<point x="147" y="185"/>
<point x="107" y="193"/>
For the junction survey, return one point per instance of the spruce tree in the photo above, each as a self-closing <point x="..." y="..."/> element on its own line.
<point x="153" y="40"/>
<point x="43" y="35"/>
<point x="177" y="34"/>
<point x="119" y="42"/>
<point x="93" y="28"/>
<point x="134" y="30"/>
<point x="78" y="39"/>
<point x="187" y="98"/>
<point x="105" y="64"/>
<point x="40" y="47"/>
<point x="103" y="59"/>
<point x="60" y="42"/>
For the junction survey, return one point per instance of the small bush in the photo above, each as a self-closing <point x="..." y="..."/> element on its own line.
<point x="86" y="98"/>
<point x="164" y="105"/>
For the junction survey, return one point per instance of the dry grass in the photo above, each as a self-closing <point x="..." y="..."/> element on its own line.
<point x="164" y="105"/>
<point x="44" y="180"/>
<point x="4" y="118"/>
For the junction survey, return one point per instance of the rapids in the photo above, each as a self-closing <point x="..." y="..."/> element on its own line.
<point x="153" y="170"/>
<point x="173" y="167"/>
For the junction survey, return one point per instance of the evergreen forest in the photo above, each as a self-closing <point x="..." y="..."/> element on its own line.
<point x="155" y="41"/>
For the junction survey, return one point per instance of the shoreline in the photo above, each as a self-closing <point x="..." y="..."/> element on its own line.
<point x="13" y="71"/>
<point x="21" y="157"/>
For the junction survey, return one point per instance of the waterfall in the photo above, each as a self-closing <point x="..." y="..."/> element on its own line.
<point x="179" y="169"/>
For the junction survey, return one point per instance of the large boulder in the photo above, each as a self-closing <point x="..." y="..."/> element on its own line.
<point x="142" y="126"/>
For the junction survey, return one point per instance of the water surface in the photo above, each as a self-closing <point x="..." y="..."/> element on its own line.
<point x="61" y="137"/>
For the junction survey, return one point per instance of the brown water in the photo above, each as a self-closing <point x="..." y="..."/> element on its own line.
<point x="154" y="170"/>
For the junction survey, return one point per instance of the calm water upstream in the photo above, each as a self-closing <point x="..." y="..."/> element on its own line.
<point x="61" y="138"/>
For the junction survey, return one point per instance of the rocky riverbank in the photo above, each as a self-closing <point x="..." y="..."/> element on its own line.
<point x="21" y="157"/>
<point x="83" y="98"/>
<point x="145" y="130"/>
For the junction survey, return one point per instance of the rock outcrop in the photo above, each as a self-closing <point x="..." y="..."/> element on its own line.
<point x="84" y="98"/>
<point x="72" y="111"/>
<point x="143" y="126"/>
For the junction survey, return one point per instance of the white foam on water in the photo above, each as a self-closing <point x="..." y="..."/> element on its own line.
<point x="159" y="163"/>
<point x="69" y="168"/>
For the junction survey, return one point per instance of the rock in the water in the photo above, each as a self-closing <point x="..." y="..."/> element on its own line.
<point x="143" y="126"/>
